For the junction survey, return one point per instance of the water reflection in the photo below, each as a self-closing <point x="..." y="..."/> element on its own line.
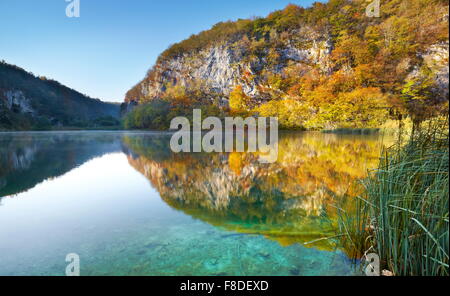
<point x="27" y="159"/>
<point x="290" y="201"/>
<point x="130" y="211"/>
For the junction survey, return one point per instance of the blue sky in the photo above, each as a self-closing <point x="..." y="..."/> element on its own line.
<point x="114" y="42"/>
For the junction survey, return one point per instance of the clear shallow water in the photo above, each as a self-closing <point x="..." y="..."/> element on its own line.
<point x="129" y="206"/>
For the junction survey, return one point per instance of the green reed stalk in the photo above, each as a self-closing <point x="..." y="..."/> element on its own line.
<point x="403" y="215"/>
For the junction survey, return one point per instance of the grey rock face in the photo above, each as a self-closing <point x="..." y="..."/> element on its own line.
<point x="317" y="54"/>
<point x="221" y="67"/>
<point x="436" y="59"/>
<point x="218" y="67"/>
<point x="15" y="100"/>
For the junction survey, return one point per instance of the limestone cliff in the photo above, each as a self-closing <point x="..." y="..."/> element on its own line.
<point x="221" y="67"/>
<point x="328" y="43"/>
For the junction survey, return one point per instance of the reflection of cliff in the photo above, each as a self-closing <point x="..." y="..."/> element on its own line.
<point x="30" y="158"/>
<point x="288" y="201"/>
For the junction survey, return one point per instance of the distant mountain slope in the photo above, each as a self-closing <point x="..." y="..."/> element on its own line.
<point x="28" y="102"/>
<point x="326" y="66"/>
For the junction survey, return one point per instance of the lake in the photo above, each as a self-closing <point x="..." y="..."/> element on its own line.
<point x="127" y="205"/>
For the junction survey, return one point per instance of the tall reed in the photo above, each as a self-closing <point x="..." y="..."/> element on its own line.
<point x="403" y="214"/>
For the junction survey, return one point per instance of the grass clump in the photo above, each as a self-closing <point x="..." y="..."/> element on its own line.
<point x="403" y="214"/>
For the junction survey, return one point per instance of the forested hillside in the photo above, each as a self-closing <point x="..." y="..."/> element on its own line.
<point x="30" y="102"/>
<point x="324" y="67"/>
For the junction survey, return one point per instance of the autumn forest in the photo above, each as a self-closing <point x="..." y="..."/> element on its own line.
<point x="325" y="67"/>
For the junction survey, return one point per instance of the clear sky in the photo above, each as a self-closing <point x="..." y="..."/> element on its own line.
<point x="114" y="42"/>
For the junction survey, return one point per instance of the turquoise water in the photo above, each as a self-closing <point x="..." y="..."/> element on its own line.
<point x="128" y="206"/>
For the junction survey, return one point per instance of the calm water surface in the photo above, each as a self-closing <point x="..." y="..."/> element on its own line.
<point x="127" y="205"/>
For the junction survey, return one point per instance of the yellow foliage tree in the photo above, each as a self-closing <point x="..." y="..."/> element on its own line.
<point x="239" y="101"/>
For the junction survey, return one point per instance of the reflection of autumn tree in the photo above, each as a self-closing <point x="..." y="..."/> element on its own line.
<point x="288" y="201"/>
